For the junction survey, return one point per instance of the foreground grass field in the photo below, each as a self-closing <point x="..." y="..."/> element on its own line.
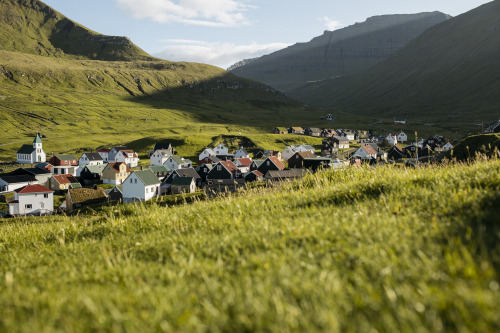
<point x="384" y="249"/>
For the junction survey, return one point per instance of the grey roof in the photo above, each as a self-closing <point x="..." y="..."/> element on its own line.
<point x="258" y="163"/>
<point x="119" y="188"/>
<point x="280" y="174"/>
<point x="183" y="181"/>
<point x="37" y="139"/>
<point x="15" y="179"/>
<point x="66" y="157"/>
<point x="187" y="172"/>
<point x="31" y="171"/>
<point x="96" y="168"/>
<point x="159" y="168"/>
<point x="147" y="177"/>
<point x="340" y="138"/>
<point x="93" y="156"/>
<point x="26" y="149"/>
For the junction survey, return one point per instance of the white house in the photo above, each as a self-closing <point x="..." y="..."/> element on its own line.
<point x="9" y="183"/>
<point x="206" y="153"/>
<point x="402" y="137"/>
<point x="241" y="153"/>
<point x="176" y="162"/>
<point x="90" y="159"/>
<point x="141" y="186"/>
<point x="365" y="152"/>
<point x="306" y="148"/>
<point x="392" y="139"/>
<point x="32" y="153"/>
<point x="159" y="157"/>
<point x="129" y="157"/>
<point x="104" y="154"/>
<point x="32" y="200"/>
<point x="220" y="149"/>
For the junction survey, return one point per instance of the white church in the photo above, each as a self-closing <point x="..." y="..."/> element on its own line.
<point x="32" y="153"/>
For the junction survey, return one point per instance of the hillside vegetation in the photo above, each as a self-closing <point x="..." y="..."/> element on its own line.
<point x="449" y="74"/>
<point x="380" y="249"/>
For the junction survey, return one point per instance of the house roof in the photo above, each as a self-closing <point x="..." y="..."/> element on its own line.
<point x="119" y="188"/>
<point x="308" y="147"/>
<point x="281" y="129"/>
<point x="80" y="195"/>
<point x="16" y="179"/>
<point x="116" y="166"/>
<point x="104" y="150"/>
<point x="93" y="156"/>
<point x="129" y="153"/>
<point x="276" y="162"/>
<point x="37" y="139"/>
<point x="147" y="177"/>
<point x="96" y="168"/>
<point x="297" y="128"/>
<point x="397" y="148"/>
<point x="244" y="161"/>
<point x="31" y="171"/>
<point x="258" y="173"/>
<point x="226" y="182"/>
<point x="26" y="149"/>
<point x="33" y="189"/>
<point x="209" y="166"/>
<point x="159" y="168"/>
<point x="293" y="173"/>
<point x="65" y="157"/>
<point x="369" y="149"/>
<point x="118" y="148"/>
<point x="304" y="154"/>
<point x="187" y="172"/>
<point x="258" y="163"/>
<point x="65" y="179"/>
<point x="230" y="166"/>
<point x="314" y="129"/>
<point x="163" y="153"/>
<point x="340" y="138"/>
<point x="177" y="159"/>
<point x="183" y="181"/>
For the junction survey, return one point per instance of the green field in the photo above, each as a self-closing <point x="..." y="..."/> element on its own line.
<point x="386" y="249"/>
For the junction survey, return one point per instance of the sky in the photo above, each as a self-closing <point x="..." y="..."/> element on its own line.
<point x="223" y="32"/>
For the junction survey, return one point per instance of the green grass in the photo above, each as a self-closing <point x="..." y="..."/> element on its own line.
<point x="386" y="249"/>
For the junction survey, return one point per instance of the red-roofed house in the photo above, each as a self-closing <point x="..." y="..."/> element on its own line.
<point x="365" y="152"/>
<point x="243" y="164"/>
<point x="224" y="170"/>
<point x="32" y="200"/>
<point x="129" y="157"/>
<point x="63" y="182"/>
<point x="271" y="163"/>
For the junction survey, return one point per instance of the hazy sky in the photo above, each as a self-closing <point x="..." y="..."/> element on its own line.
<point x="222" y="32"/>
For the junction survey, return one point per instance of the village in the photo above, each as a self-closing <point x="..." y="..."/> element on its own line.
<point x="111" y="176"/>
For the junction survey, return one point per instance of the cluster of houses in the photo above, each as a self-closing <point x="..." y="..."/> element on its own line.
<point x="217" y="170"/>
<point x="324" y="132"/>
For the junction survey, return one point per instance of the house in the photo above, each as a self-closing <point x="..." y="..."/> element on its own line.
<point x="297" y="160"/>
<point x="391" y="139"/>
<point x="256" y="164"/>
<point x="280" y="130"/>
<point x="296" y="130"/>
<point x="33" y="153"/>
<point x="104" y="154"/>
<point x="224" y="170"/>
<point x="129" y="157"/>
<point x="32" y="200"/>
<point x="116" y="193"/>
<point x="270" y="163"/>
<point x="64" y="160"/>
<point x="412" y="150"/>
<point x="395" y="153"/>
<point x="176" y="162"/>
<point x="216" y="187"/>
<point x="185" y="172"/>
<point x="209" y="160"/>
<point x="402" y="137"/>
<point x="273" y="176"/>
<point x="161" y="171"/>
<point x="340" y="142"/>
<point x="399" y="121"/>
<point x="220" y="149"/>
<point x="350" y="135"/>
<point x="62" y="183"/>
<point x="329" y="117"/>
<point x="316" y="163"/>
<point x="141" y="185"/>
<point x="183" y="185"/>
<point x="41" y="175"/>
<point x="162" y="146"/>
<point x="82" y="197"/>
<point x="365" y="152"/>
<point x="493" y="128"/>
<point x="306" y="148"/>
<point x="115" y="173"/>
<point x="65" y="170"/>
<point x="10" y="182"/>
<point x="328" y="133"/>
<point x="289" y="152"/>
<point x="447" y="146"/>
<point x="312" y="131"/>
<point x="243" y="164"/>
<point x="207" y="152"/>
<point x="254" y="176"/>
<point x="241" y="153"/>
<point x="203" y="170"/>
<point x="114" y="151"/>
<point x="363" y="134"/>
<point x="92" y="174"/>
<point x="90" y="159"/>
<point x="159" y="157"/>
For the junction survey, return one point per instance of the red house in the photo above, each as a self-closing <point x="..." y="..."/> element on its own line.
<point x="63" y="160"/>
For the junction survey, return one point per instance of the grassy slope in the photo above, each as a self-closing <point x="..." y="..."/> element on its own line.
<point x="483" y="144"/>
<point x="450" y="70"/>
<point x="358" y="250"/>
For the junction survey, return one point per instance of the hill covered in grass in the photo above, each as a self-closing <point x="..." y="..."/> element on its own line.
<point x="450" y="73"/>
<point x="30" y="26"/>
<point x="366" y="249"/>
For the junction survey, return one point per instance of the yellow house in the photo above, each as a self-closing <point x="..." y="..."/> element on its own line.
<point x="115" y="173"/>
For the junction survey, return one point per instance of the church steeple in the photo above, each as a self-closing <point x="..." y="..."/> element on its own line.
<point x="37" y="143"/>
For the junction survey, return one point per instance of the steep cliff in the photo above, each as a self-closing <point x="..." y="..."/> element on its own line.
<point x="339" y="53"/>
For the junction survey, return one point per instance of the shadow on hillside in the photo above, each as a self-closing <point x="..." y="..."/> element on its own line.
<point x="227" y="99"/>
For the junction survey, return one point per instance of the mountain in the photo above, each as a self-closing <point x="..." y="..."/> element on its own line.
<point x="30" y="26"/>
<point x="339" y="53"/>
<point x="451" y="71"/>
<point x="241" y="63"/>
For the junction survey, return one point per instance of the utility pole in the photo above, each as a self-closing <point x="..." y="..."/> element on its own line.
<point x="416" y="147"/>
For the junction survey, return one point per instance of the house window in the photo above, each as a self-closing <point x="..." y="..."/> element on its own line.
<point x="219" y="167"/>
<point x="147" y="189"/>
<point x="135" y="181"/>
<point x="131" y="181"/>
<point x="28" y="206"/>
<point x="268" y="163"/>
<point x="45" y="195"/>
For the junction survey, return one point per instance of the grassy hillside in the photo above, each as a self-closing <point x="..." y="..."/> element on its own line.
<point x="450" y="74"/>
<point x="30" y="26"/>
<point x="483" y="145"/>
<point x="358" y="250"/>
